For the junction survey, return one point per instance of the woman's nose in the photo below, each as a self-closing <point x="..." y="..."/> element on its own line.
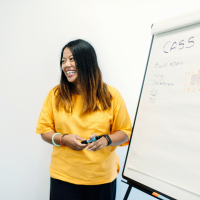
<point x="67" y="63"/>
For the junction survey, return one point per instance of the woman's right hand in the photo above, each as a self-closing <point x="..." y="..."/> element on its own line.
<point x="72" y="142"/>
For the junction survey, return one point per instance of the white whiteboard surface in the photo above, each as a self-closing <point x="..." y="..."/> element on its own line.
<point x="165" y="146"/>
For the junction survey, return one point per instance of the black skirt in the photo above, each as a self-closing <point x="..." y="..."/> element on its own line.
<point x="60" y="190"/>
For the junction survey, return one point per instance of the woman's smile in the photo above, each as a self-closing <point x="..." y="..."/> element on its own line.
<point x="70" y="73"/>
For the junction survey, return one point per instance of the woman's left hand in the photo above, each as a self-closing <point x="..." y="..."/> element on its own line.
<point x="98" y="144"/>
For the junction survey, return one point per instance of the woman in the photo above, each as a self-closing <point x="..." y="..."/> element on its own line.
<point x="80" y="107"/>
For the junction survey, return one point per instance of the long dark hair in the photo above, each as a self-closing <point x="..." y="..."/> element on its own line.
<point x="94" y="91"/>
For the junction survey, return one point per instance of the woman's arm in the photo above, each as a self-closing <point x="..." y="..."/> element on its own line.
<point x="119" y="137"/>
<point x="68" y="140"/>
<point x="47" y="137"/>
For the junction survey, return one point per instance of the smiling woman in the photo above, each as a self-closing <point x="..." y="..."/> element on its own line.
<point x="81" y="107"/>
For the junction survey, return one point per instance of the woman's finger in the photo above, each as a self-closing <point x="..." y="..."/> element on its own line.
<point x="80" y="138"/>
<point x="93" y="135"/>
<point x="100" y="147"/>
<point x="79" y="148"/>
<point x="94" y="145"/>
<point x="91" y="145"/>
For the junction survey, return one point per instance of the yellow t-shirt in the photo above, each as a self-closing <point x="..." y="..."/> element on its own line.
<point x="84" y="167"/>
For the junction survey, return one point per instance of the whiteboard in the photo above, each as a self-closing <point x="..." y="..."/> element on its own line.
<point x="164" y="152"/>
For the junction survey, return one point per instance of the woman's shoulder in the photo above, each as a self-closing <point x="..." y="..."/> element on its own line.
<point x="113" y="90"/>
<point x="117" y="97"/>
<point x="55" y="88"/>
<point x="52" y="92"/>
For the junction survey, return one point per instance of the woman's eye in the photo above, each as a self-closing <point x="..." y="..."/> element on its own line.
<point x="62" y="61"/>
<point x="71" y="58"/>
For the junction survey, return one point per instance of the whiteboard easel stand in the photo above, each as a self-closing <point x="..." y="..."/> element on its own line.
<point x="130" y="185"/>
<point x="128" y="191"/>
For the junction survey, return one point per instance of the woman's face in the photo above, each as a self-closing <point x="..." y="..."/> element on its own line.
<point x="69" y="66"/>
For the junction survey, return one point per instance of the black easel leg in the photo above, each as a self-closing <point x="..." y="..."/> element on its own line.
<point x="127" y="192"/>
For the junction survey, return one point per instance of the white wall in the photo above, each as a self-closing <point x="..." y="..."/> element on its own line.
<point x="32" y="34"/>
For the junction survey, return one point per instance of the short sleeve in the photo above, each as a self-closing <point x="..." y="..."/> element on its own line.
<point x="121" y="119"/>
<point x="46" y="120"/>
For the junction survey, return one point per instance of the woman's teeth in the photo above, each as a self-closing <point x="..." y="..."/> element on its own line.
<point x="70" y="72"/>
